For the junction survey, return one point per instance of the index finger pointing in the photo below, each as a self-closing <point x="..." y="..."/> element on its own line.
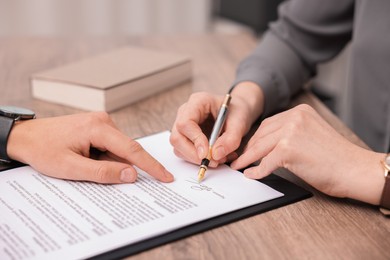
<point x="143" y="160"/>
<point x="124" y="147"/>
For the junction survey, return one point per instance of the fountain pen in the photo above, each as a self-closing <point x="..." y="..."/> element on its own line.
<point x="217" y="128"/>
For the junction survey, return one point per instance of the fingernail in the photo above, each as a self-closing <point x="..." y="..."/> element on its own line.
<point x="127" y="175"/>
<point x="168" y="175"/>
<point x="200" y="152"/>
<point x="219" y="153"/>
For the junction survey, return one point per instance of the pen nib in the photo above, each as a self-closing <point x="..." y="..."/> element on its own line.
<point x="201" y="173"/>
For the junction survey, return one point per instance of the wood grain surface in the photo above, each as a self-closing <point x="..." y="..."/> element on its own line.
<point x="317" y="228"/>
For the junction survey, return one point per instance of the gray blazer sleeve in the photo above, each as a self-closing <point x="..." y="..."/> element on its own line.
<point x="307" y="32"/>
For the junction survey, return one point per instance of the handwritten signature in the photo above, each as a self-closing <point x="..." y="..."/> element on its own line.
<point x="201" y="187"/>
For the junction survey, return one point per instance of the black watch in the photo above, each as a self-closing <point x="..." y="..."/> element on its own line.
<point x="8" y="116"/>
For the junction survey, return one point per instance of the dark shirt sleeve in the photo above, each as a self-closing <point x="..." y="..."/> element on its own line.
<point x="307" y="32"/>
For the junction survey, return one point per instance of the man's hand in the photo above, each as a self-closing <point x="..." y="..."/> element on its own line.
<point x="85" y="147"/>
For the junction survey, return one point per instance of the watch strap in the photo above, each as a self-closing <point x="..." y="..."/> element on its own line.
<point x="6" y="124"/>
<point x="385" y="200"/>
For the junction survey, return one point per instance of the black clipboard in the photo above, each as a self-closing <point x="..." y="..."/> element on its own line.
<point x="292" y="193"/>
<point x="10" y="165"/>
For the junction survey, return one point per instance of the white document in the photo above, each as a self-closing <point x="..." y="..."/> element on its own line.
<point x="47" y="218"/>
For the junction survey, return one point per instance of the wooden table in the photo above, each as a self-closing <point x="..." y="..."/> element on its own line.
<point x="317" y="228"/>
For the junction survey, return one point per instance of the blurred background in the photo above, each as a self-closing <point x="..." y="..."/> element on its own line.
<point x="129" y="17"/>
<point x="75" y="18"/>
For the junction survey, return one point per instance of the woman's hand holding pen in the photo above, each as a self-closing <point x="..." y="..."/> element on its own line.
<point x="298" y="140"/>
<point x="189" y="133"/>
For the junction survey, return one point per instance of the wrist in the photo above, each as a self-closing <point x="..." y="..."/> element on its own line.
<point x="9" y="118"/>
<point x="366" y="181"/>
<point x="385" y="197"/>
<point x="252" y="95"/>
<point x="17" y="141"/>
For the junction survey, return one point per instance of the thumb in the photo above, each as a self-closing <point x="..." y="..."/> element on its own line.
<point x="231" y="138"/>
<point x="226" y="144"/>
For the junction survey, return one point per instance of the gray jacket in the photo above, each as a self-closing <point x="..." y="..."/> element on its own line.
<point x="309" y="32"/>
